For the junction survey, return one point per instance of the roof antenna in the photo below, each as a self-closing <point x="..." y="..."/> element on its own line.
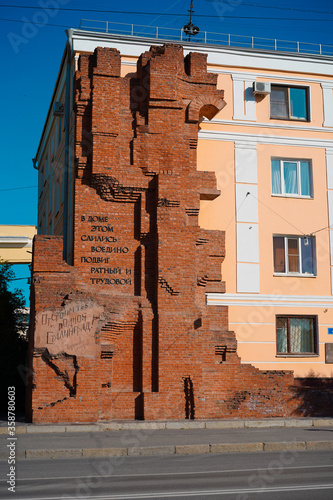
<point x="189" y="28"/>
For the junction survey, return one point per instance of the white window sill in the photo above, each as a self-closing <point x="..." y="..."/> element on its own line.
<point x="290" y="119"/>
<point x="298" y="196"/>
<point x="297" y="355"/>
<point x="295" y="275"/>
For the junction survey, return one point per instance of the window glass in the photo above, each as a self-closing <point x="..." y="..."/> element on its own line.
<point x="40" y="180"/>
<point x="307" y="255"/>
<point x="279" y="102"/>
<point x="57" y="196"/>
<point x="301" y="335"/>
<point x="298" y="103"/>
<point x="276" y="177"/>
<point x="59" y="129"/>
<point x="279" y="254"/>
<point x="305" y="178"/>
<point x="290" y="177"/>
<point x="293" y="258"/>
<point x="281" y="334"/>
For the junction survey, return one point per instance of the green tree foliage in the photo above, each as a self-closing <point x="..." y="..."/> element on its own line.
<point x="13" y="346"/>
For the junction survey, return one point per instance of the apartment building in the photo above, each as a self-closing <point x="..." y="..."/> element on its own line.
<point x="270" y="148"/>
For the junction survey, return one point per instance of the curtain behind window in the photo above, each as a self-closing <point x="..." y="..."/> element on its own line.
<point x="279" y="102"/>
<point x="293" y="255"/>
<point x="290" y="177"/>
<point x="301" y="335"/>
<point x="279" y="254"/>
<point x="305" y="178"/>
<point x="276" y="177"/>
<point x="281" y="335"/>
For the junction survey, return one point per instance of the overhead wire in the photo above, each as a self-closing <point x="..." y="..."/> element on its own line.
<point x="265" y="6"/>
<point x="286" y="220"/>
<point x="16" y="188"/>
<point x="215" y="16"/>
<point x="276" y="213"/>
<point x="236" y="212"/>
<point x="16" y="279"/>
<point x="322" y="229"/>
<point x="36" y="23"/>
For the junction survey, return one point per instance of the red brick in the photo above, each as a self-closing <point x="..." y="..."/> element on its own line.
<point x="152" y="348"/>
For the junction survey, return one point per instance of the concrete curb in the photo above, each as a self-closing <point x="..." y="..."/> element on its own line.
<point x="286" y="446"/>
<point x="176" y="425"/>
<point x="194" y="449"/>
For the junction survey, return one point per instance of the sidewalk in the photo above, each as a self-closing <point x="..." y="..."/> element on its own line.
<point x="134" y="438"/>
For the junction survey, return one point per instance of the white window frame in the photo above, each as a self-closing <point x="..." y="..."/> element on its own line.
<point x="299" y="253"/>
<point x="282" y="183"/>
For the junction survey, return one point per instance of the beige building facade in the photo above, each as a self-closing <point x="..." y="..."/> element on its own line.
<point x="16" y="243"/>
<point x="271" y="150"/>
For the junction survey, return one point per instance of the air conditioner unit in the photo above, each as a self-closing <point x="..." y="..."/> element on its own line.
<point x="58" y="109"/>
<point x="261" y="88"/>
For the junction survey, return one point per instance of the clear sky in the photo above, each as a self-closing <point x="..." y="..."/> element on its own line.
<point x="33" y="41"/>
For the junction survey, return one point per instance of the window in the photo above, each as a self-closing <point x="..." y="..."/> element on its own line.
<point x="59" y="128"/>
<point x="43" y="223"/>
<point x="51" y="155"/>
<point x="291" y="177"/>
<point x="289" y="103"/>
<point x="57" y="197"/>
<point x="294" y="255"/>
<point x="40" y="179"/>
<point x="296" y="335"/>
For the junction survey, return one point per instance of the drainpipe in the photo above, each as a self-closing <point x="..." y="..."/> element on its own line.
<point x="67" y="131"/>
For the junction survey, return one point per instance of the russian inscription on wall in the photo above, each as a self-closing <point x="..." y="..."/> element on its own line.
<point x="104" y="251"/>
<point x="70" y="329"/>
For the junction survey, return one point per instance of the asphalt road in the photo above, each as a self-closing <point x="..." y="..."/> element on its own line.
<point x="285" y="475"/>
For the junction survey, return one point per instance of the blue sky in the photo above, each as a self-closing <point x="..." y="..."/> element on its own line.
<point x="33" y="40"/>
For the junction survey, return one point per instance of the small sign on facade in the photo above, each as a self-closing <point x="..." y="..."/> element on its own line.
<point x="330" y="331"/>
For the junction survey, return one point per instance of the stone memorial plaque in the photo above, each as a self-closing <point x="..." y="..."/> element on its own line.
<point x="70" y="329"/>
<point x="328" y="353"/>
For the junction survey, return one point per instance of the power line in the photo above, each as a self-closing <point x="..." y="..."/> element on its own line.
<point x="14" y="189"/>
<point x="16" y="279"/>
<point x="322" y="229"/>
<point x="236" y="212"/>
<point x="276" y="213"/>
<point x="107" y="11"/>
<point x="37" y="24"/>
<point x="140" y="13"/>
<point x="276" y="8"/>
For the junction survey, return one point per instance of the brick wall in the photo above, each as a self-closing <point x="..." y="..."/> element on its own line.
<point x="124" y="331"/>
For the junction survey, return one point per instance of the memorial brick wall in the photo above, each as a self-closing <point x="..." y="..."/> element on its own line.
<point x="123" y="331"/>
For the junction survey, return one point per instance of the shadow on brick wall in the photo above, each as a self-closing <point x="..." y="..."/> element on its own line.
<point x="314" y="396"/>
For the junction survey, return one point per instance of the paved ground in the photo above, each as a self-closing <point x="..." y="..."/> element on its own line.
<point x="135" y="438"/>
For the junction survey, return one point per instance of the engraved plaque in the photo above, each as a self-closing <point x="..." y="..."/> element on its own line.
<point x="328" y="353"/>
